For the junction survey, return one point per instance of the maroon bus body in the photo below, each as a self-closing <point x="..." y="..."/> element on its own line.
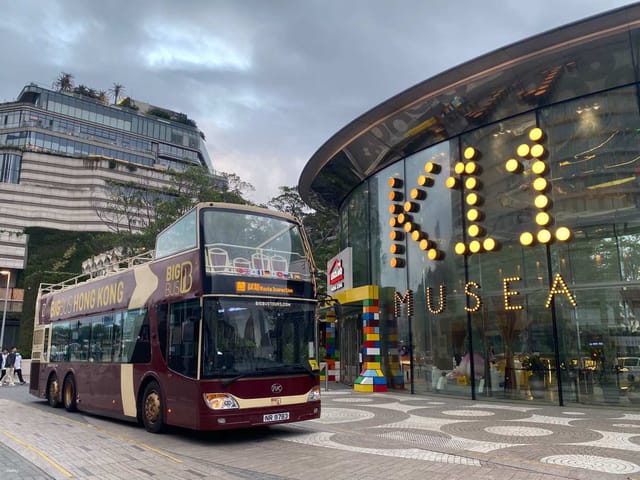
<point x="97" y="385"/>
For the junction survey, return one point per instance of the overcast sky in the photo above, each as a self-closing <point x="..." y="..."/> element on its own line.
<point x="267" y="81"/>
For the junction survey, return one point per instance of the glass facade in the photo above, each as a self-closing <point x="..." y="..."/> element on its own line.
<point x="466" y="199"/>
<point x="44" y="120"/>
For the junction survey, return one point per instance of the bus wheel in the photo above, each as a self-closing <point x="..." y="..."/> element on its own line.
<point x="152" y="408"/>
<point x="69" y="394"/>
<point x="53" y="392"/>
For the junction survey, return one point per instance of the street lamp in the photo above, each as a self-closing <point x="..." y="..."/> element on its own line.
<point x="6" y="298"/>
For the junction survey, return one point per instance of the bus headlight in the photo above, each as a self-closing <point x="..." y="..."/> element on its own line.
<point x="220" y="401"/>
<point x="314" y="394"/>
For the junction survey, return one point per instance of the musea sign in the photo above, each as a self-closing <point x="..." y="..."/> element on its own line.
<point x="339" y="270"/>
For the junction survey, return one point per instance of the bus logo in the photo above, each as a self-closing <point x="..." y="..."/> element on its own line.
<point x="241" y="286"/>
<point x="276" y="388"/>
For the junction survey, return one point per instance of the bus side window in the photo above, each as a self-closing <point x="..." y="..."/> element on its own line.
<point x="162" y="313"/>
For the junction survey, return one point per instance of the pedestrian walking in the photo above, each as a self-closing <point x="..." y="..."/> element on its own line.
<point x="3" y="357"/>
<point x="17" y="366"/>
<point x="9" y="362"/>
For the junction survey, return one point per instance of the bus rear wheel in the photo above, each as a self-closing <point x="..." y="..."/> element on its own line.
<point x="53" y="392"/>
<point x="69" y="394"/>
<point x="152" y="408"/>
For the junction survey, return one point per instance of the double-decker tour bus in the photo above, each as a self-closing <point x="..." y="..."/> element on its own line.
<point x="216" y="330"/>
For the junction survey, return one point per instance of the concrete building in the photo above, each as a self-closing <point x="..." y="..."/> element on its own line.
<point x="490" y="215"/>
<point x="60" y="150"/>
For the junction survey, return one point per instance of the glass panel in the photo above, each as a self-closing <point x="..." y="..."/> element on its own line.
<point x="253" y="337"/>
<point x="184" y="323"/>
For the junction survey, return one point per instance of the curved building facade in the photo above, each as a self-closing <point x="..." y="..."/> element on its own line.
<point x="493" y="224"/>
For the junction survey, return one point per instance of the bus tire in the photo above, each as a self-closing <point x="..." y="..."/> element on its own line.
<point x="53" y="392"/>
<point x="152" y="408"/>
<point x="69" y="394"/>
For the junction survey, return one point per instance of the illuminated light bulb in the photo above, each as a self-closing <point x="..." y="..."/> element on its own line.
<point x="451" y="183"/>
<point x="526" y="239"/>
<point x="523" y="150"/>
<point x="410" y="227"/>
<point x="396" y="235"/>
<point x="460" y="248"/>
<point x="475" y="246"/>
<point x="473" y="214"/>
<point x="474" y="230"/>
<point x="540" y="184"/>
<point x="393" y="222"/>
<point x="418" y="194"/>
<point x="411" y="207"/>
<point x="470" y="168"/>
<point x="395" y="196"/>
<point x="397" y="262"/>
<point x="536" y="134"/>
<point x="394" y="208"/>
<point x="425" y="181"/>
<point x="472" y="199"/>
<point x="471" y="183"/>
<point x="544" y="236"/>
<point x="539" y="167"/>
<point x="425" y="244"/>
<point x="542" y="201"/>
<point x="431" y="167"/>
<point x="403" y="217"/>
<point x="459" y="168"/>
<point x="469" y="153"/>
<point x="563" y="234"/>
<point x="512" y="165"/>
<point x="417" y="235"/>
<point x="395" y="182"/>
<point x="543" y="218"/>
<point x="489" y="244"/>
<point x="433" y="254"/>
<point x="396" y="248"/>
<point x="537" y="150"/>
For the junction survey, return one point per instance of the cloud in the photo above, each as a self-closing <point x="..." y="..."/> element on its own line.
<point x="267" y="82"/>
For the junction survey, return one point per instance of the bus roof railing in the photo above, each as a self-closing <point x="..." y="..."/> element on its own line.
<point x="105" y="270"/>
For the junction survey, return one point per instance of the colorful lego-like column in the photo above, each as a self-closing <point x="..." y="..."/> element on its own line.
<point x="371" y="378"/>
<point x="333" y="367"/>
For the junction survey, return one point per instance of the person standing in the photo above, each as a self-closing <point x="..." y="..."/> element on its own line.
<point x="17" y="365"/>
<point x="8" y="365"/>
<point x="3" y="357"/>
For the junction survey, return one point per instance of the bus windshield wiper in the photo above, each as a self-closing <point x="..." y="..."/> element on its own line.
<point x="236" y="378"/>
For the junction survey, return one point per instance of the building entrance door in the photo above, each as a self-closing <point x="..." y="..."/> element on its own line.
<point x="350" y="346"/>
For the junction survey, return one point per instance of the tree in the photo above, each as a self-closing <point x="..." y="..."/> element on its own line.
<point x="289" y="201"/>
<point x="116" y="91"/>
<point x="64" y="82"/>
<point x="321" y="226"/>
<point x="139" y="212"/>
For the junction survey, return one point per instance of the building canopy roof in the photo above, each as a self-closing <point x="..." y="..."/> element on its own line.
<point x="590" y="55"/>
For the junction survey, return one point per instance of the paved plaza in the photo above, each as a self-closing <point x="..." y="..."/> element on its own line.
<point x="364" y="436"/>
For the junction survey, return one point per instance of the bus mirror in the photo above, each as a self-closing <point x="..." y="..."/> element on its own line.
<point x="337" y="310"/>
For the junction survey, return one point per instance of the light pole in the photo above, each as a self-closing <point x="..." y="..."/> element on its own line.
<point x="6" y="298"/>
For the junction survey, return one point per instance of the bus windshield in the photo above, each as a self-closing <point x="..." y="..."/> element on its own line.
<point x="242" y="242"/>
<point x="249" y="336"/>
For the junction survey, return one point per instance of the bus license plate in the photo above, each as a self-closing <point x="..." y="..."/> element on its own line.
<point x="275" y="417"/>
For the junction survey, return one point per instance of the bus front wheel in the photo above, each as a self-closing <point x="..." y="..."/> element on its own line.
<point x="53" y="392"/>
<point x="152" y="408"/>
<point x="69" y="394"/>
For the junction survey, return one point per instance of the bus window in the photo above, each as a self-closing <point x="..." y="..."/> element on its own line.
<point x="101" y="339"/>
<point x="184" y="324"/>
<point x="60" y="342"/>
<point x="135" y="337"/>
<point x="162" y="313"/>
